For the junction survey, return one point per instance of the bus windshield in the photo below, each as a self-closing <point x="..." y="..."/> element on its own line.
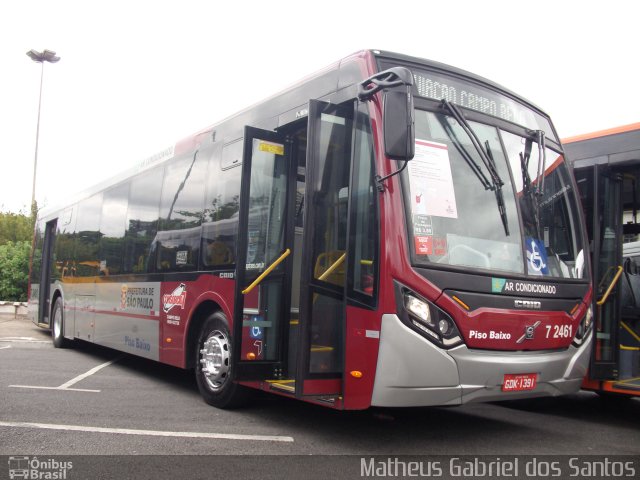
<point x="485" y="198"/>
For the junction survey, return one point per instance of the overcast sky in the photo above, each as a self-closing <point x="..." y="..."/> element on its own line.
<point x="136" y="76"/>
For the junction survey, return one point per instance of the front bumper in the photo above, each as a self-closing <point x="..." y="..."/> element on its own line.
<point x="413" y="372"/>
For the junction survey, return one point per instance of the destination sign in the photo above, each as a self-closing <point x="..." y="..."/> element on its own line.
<point x="475" y="96"/>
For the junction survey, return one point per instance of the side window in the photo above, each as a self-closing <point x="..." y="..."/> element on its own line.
<point x="364" y="219"/>
<point x="142" y="220"/>
<point x="87" y="233"/>
<point x="63" y="265"/>
<point x="181" y="208"/>
<point x="220" y="228"/>
<point x="112" y="229"/>
<point x="232" y="154"/>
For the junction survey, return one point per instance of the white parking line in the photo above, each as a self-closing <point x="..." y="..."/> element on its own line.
<point x="73" y="381"/>
<point x="153" y="433"/>
<point x="38" y="387"/>
<point x="89" y="373"/>
<point x="22" y="340"/>
<point x="4" y="348"/>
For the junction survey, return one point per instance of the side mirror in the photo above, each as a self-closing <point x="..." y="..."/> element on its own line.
<point x="399" y="125"/>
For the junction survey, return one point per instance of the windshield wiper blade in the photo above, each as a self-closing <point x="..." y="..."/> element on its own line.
<point x="473" y="165"/>
<point x="531" y="191"/>
<point x="542" y="161"/>
<point x="489" y="165"/>
<point x="498" y="191"/>
<point x="487" y="159"/>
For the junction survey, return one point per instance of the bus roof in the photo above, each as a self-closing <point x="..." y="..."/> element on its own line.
<point x="323" y="82"/>
<point x="602" y="133"/>
<point x="615" y="146"/>
<point x="280" y="108"/>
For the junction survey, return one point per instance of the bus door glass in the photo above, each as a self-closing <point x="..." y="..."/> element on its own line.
<point x="44" y="306"/>
<point x="608" y="261"/>
<point x="320" y="356"/>
<point x="263" y="270"/>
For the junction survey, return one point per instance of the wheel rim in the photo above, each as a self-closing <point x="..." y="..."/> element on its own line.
<point x="57" y="322"/>
<point x="215" y="360"/>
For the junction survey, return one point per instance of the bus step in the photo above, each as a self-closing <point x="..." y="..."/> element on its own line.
<point x="631" y="384"/>
<point x="288" y="386"/>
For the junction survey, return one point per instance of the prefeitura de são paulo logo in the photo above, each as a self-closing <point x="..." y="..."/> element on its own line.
<point x="176" y="298"/>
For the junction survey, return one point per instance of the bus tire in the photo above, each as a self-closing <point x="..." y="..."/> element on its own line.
<point x="57" y="325"/>
<point x="213" y="369"/>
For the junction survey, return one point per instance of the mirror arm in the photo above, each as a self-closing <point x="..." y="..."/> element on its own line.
<point x="380" y="180"/>
<point x="393" y="77"/>
<point x="388" y="79"/>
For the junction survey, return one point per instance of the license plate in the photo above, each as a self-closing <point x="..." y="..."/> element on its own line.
<point x="519" y="382"/>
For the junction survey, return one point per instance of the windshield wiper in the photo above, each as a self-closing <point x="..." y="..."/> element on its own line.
<point x="498" y="191"/>
<point x="486" y="156"/>
<point x="534" y="192"/>
<point x="542" y="161"/>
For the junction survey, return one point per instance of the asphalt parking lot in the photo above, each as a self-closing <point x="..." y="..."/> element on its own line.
<point x="90" y="400"/>
<point x="72" y="395"/>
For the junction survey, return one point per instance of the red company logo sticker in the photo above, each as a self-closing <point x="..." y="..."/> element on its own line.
<point x="423" y="244"/>
<point x="175" y="298"/>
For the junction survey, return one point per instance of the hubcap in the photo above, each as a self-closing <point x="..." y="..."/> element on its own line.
<point x="215" y="359"/>
<point x="57" y="323"/>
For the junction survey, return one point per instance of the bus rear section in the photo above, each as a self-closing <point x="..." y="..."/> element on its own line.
<point x="389" y="232"/>
<point x="606" y="165"/>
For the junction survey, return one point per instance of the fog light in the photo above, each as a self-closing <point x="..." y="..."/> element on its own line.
<point x="443" y="326"/>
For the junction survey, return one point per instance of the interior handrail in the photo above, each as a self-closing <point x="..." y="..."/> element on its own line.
<point x="270" y="269"/>
<point x="616" y="277"/>
<point x="333" y="267"/>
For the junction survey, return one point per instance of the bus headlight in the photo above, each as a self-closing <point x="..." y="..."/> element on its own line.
<point x="584" y="328"/>
<point x="588" y="319"/>
<point x="418" y="309"/>
<point x="430" y="321"/>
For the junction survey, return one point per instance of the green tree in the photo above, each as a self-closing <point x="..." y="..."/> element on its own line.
<point x="14" y="270"/>
<point x="15" y="227"/>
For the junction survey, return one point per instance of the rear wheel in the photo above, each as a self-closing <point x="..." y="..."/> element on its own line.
<point x="214" y="373"/>
<point x="57" y="325"/>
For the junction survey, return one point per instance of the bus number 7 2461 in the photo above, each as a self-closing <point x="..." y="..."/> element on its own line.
<point x="559" y="331"/>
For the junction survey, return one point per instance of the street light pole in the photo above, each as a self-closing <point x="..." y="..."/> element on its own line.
<point x="39" y="57"/>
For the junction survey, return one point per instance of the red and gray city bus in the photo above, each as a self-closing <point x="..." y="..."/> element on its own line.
<point x="391" y="231"/>
<point x="606" y="165"/>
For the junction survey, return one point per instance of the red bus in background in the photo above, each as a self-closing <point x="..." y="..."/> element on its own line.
<point x="391" y="231"/>
<point x="606" y="165"/>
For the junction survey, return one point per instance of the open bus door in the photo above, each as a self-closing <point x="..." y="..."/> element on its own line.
<point x="610" y="201"/>
<point x="323" y="275"/>
<point x="44" y="306"/>
<point x="607" y="169"/>
<point x="290" y="304"/>
<point x="263" y="271"/>
<point x="607" y="270"/>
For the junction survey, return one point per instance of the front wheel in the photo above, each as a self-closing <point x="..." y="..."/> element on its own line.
<point x="214" y="373"/>
<point x="57" y="325"/>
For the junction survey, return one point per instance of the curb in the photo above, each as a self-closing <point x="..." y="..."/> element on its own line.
<point x="16" y="308"/>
